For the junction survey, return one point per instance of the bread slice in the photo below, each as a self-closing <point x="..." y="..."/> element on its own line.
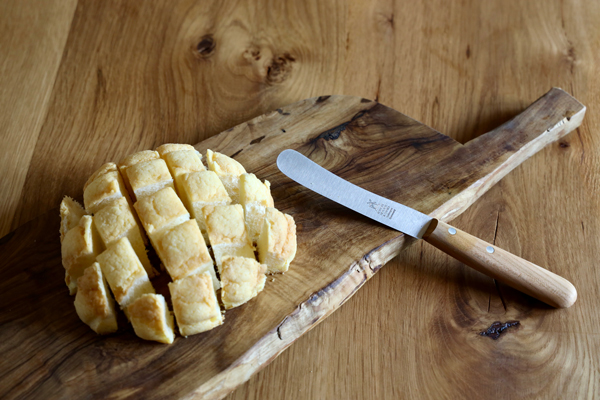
<point x="70" y="214"/>
<point x="124" y="272"/>
<point x="79" y="249"/>
<point x="94" y="303"/>
<point x="227" y="232"/>
<point x="195" y="304"/>
<point x="242" y="279"/>
<point x="201" y="189"/>
<point x="255" y="197"/>
<point x="183" y="252"/>
<point x="228" y="170"/>
<point x="103" y="188"/>
<point x="277" y="241"/>
<point x="116" y="221"/>
<point x="149" y="177"/>
<point x="151" y="318"/>
<point x="161" y="210"/>
<point x="132" y="159"/>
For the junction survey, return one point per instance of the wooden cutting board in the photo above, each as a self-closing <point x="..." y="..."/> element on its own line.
<point x="48" y="353"/>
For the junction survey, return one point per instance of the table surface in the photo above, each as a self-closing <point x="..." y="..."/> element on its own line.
<point x="84" y="82"/>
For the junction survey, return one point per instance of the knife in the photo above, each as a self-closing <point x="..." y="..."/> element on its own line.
<point x="474" y="252"/>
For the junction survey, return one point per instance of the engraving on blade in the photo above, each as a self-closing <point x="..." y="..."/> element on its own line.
<point x="311" y="175"/>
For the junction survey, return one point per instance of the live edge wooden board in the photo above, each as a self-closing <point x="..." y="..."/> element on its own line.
<point x="48" y="353"/>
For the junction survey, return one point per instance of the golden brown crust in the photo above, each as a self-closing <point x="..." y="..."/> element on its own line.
<point x="147" y="177"/>
<point x="223" y="165"/>
<point x="195" y="304"/>
<point x="172" y="147"/>
<point x="116" y="221"/>
<point x="108" y="167"/>
<point x="79" y="249"/>
<point x="277" y="241"/>
<point x="205" y="187"/>
<point x="225" y="224"/>
<point x="93" y="302"/>
<point x="242" y="279"/>
<point x="151" y="318"/>
<point x="161" y="210"/>
<point x="124" y="272"/>
<point x="252" y="190"/>
<point x="102" y="190"/>
<point x="183" y="162"/>
<point x="182" y="250"/>
<point x="70" y="214"/>
<point x="135" y="158"/>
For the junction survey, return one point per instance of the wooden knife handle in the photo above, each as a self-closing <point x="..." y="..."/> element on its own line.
<point x="502" y="265"/>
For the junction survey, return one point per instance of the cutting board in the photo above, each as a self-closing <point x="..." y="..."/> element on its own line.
<point x="48" y="353"/>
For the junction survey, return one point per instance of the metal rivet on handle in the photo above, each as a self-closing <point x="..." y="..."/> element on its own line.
<point x="490" y="249"/>
<point x="452" y="231"/>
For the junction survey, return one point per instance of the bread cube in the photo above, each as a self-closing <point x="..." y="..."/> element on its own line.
<point x="195" y="304"/>
<point x="255" y="197"/>
<point x="183" y="162"/>
<point x="277" y="241"/>
<point x="242" y="279"/>
<point x="79" y="249"/>
<point x="124" y="272"/>
<point x="116" y="221"/>
<point x="183" y="252"/>
<point x="201" y="189"/>
<point x="149" y="177"/>
<point x="161" y="210"/>
<point x="132" y="159"/>
<point x="228" y="170"/>
<point x="227" y="232"/>
<point x="151" y="318"/>
<point x="70" y="214"/>
<point x="103" y="189"/>
<point x="94" y="303"/>
<point x="105" y="168"/>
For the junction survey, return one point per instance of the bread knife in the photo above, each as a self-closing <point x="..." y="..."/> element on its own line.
<point x="474" y="252"/>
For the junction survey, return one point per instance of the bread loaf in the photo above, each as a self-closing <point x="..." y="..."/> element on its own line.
<point x="195" y="219"/>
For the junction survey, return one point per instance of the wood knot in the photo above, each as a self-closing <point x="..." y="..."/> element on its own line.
<point x="280" y="68"/>
<point x="497" y="328"/>
<point x="564" y="145"/>
<point x="206" y="46"/>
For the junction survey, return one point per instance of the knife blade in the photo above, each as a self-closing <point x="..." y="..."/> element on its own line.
<point x="474" y="252"/>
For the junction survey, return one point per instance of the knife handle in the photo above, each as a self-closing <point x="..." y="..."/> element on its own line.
<point x="502" y="265"/>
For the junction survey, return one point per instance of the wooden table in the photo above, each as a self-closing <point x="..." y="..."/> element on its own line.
<point x="83" y="82"/>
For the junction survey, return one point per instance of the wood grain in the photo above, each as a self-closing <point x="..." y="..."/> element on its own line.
<point x="461" y="67"/>
<point x="32" y="38"/>
<point x="360" y="140"/>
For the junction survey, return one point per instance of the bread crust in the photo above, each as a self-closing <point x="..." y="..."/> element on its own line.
<point x="116" y="221"/>
<point x="151" y="318"/>
<point x="242" y="279"/>
<point x="195" y="304"/>
<point x="70" y="214"/>
<point x="277" y="242"/>
<point x="161" y="210"/>
<point x="93" y="303"/>
<point x="172" y="147"/>
<point x="124" y="272"/>
<point x="183" y="251"/>
<point x="79" y="249"/>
